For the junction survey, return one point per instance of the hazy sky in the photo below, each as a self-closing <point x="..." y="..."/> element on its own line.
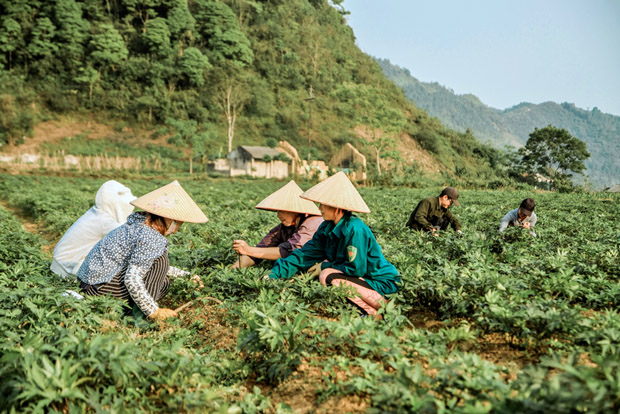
<point x="503" y="51"/>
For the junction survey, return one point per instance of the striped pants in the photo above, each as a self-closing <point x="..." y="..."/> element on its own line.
<point x="368" y="301"/>
<point x="155" y="280"/>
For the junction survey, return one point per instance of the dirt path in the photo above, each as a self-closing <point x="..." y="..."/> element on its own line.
<point x="32" y="227"/>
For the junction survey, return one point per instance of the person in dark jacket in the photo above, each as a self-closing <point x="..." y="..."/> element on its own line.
<point x="432" y="214"/>
<point x="344" y="247"/>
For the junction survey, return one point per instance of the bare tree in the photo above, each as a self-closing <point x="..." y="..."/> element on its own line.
<point x="231" y="100"/>
<point x="231" y="93"/>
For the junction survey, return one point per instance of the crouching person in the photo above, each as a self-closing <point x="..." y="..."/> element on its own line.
<point x="433" y="215"/>
<point x="348" y="252"/>
<point x="131" y="262"/>
<point x="523" y="216"/>
<point x="112" y="206"/>
<point x="299" y="219"/>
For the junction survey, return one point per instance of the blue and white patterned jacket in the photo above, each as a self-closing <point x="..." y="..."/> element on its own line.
<point x="133" y="245"/>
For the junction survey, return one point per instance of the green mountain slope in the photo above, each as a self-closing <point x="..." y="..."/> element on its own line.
<point x="225" y="72"/>
<point x="600" y="131"/>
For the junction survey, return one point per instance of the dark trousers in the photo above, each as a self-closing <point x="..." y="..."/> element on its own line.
<point x="156" y="282"/>
<point x="440" y="223"/>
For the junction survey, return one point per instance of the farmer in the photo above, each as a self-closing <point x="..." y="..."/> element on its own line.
<point x="112" y="206"/>
<point x="131" y="262"/>
<point x="299" y="219"/>
<point x="523" y="216"/>
<point x="432" y="214"/>
<point x="347" y="250"/>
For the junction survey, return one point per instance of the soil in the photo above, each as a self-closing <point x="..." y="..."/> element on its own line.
<point x="299" y="391"/>
<point x="409" y="150"/>
<point x="32" y="227"/>
<point x="53" y="132"/>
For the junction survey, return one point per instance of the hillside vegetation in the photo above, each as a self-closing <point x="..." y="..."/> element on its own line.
<point x="216" y="74"/>
<point x="512" y="126"/>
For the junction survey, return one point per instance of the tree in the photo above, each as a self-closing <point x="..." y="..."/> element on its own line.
<point x="231" y="94"/>
<point x="41" y="47"/>
<point x="89" y="76"/>
<point x="187" y="135"/>
<point x="193" y="65"/>
<point x="555" y="153"/>
<point x="72" y="33"/>
<point x="108" y="47"/>
<point x="10" y="38"/>
<point x="220" y="30"/>
<point x="156" y="37"/>
<point x="181" y="24"/>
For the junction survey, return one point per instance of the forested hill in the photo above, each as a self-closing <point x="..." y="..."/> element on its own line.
<point x="220" y="73"/>
<point x="600" y="131"/>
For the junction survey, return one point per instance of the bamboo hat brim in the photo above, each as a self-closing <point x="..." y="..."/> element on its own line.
<point x="171" y="201"/>
<point x="337" y="191"/>
<point x="287" y="199"/>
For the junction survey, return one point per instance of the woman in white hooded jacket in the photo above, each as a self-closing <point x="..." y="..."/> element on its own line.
<point x="109" y="212"/>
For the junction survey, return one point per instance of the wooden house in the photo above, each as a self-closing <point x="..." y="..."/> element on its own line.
<point x="253" y="161"/>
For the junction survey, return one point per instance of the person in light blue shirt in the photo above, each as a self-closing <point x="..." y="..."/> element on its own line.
<point x="523" y="216"/>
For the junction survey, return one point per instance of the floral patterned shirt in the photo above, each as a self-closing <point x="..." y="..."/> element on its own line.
<point x="134" y="246"/>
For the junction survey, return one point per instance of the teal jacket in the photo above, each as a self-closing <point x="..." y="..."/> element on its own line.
<point x="348" y="246"/>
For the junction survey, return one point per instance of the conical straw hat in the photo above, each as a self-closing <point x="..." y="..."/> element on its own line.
<point x="337" y="191"/>
<point x="287" y="199"/>
<point x="171" y="201"/>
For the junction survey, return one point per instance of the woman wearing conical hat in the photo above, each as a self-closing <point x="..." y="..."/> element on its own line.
<point x="348" y="252"/>
<point x="299" y="219"/>
<point x="131" y="262"/>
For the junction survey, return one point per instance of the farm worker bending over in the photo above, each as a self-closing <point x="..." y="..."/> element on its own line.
<point x="131" y="262"/>
<point x="299" y="219"/>
<point x="349" y="253"/>
<point x="523" y="216"/>
<point x="112" y="206"/>
<point x="432" y="214"/>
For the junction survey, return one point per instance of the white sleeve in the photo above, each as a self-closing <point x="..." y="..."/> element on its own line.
<point x="134" y="281"/>
<point x="176" y="272"/>
<point x="505" y="221"/>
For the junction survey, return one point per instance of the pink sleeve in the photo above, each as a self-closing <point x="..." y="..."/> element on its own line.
<point x="305" y="231"/>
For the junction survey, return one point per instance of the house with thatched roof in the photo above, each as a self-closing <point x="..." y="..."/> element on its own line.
<point x="351" y="161"/>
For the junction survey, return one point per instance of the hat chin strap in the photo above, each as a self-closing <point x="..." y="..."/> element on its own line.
<point x="172" y="227"/>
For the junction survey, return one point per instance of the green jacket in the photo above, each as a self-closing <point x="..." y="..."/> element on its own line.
<point x="348" y="246"/>
<point x="427" y="212"/>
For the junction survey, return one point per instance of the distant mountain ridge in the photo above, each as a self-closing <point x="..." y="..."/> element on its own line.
<point x="512" y="126"/>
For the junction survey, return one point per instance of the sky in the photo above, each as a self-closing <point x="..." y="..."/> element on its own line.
<point x="503" y="51"/>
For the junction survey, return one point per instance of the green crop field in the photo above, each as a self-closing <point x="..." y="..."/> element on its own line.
<point x="482" y="324"/>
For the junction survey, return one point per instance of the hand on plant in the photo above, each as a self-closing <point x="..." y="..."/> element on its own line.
<point x="241" y="246"/>
<point x="315" y="270"/>
<point x="527" y="225"/>
<point x="196" y="279"/>
<point x="163" y="313"/>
